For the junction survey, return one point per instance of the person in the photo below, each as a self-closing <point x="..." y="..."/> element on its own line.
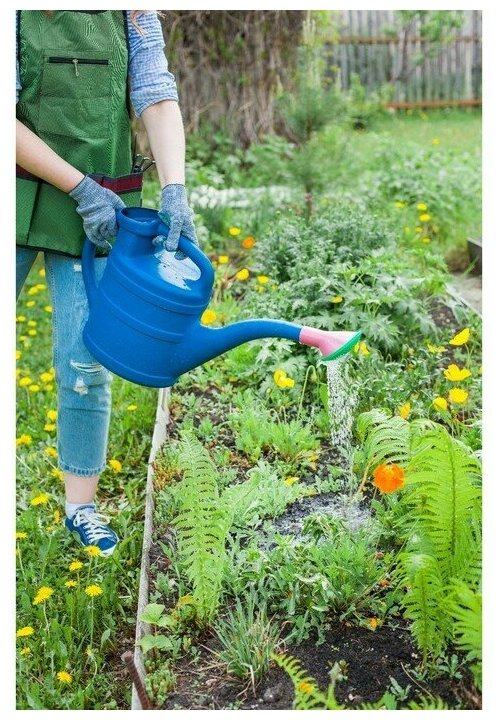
<point x="75" y="169"/>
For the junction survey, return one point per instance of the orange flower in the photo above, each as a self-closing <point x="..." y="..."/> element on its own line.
<point x="248" y="242"/>
<point x="388" y="478"/>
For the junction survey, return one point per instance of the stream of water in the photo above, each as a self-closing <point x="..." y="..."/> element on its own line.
<point x="341" y="404"/>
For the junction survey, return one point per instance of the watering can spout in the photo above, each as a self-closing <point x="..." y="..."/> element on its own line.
<point x="204" y="344"/>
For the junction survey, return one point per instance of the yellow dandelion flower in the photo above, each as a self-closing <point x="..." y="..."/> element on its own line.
<point x="460" y="338"/>
<point x="49" y="427"/>
<point x="132" y="408"/>
<point x="421" y="206"/>
<point x="398" y="204"/>
<point x="41" y="272"/>
<point x="52" y="415"/>
<point x="30" y="303"/>
<point x="242" y="274"/>
<point x="456" y="374"/>
<point x="32" y="323"/>
<point x="440" y="403"/>
<point x="19" y="354"/>
<point x="234" y="231"/>
<point x="58" y="474"/>
<point x="263" y="279"/>
<point x="93" y="550"/>
<point x="41" y="286"/>
<point x="46" y="377"/>
<point x="25" y="631"/>
<point x="425" y="217"/>
<point x="426" y="240"/>
<point x="115" y="465"/>
<point x="43" y="594"/>
<point x="223" y="259"/>
<point x="458" y="396"/>
<point x="21" y="535"/>
<point x="305" y="687"/>
<point x="291" y="480"/>
<point x="21" y="319"/>
<point x="33" y="290"/>
<point x="208" y="317"/>
<point x="41" y="499"/>
<point x="71" y="583"/>
<point x="51" y="452"/>
<point x="25" y="651"/>
<point x="23" y="439"/>
<point x="436" y="141"/>
<point x="405" y="410"/>
<point x="75" y="566"/>
<point x="93" y="590"/>
<point x="34" y="388"/>
<point x="374" y="622"/>
<point x="32" y="332"/>
<point x="48" y="308"/>
<point x="337" y="299"/>
<point x="24" y="382"/>
<point x="64" y="677"/>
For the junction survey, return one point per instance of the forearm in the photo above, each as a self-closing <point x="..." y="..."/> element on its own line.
<point x="38" y="158"/>
<point x="166" y="135"/>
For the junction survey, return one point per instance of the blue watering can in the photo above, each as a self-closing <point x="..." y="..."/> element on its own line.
<point x="144" y="316"/>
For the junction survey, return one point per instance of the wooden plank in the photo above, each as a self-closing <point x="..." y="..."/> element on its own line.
<point x="403" y="105"/>
<point x="385" y="40"/>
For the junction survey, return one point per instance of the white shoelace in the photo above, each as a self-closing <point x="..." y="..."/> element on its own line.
<point x="94" y="524"/>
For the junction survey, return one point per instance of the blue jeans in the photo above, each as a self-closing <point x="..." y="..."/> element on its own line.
<point x="83" y="385"/>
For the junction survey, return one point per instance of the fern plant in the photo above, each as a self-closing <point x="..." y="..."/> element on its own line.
<point x="307" y="694"/>
<point x="444" y="481"/>
<point x="439" y="515"/>
<point x="202" y="524"/>
<point x="464" y="607"/>
<point x="423" y="602"/>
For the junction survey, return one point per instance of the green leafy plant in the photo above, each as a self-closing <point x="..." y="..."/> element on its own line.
<point x="248" y="638"/>
<point x="202" y="525"/>
<point x="262" y="494"/>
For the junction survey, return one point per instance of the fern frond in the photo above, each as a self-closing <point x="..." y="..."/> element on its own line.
<point x="202" y="526"/>
<point x="423" y="601"/>
<point x="443" y="476"/>
<point x="465" y="607"/>
<point x="307" y="694"/>
<point x="387" y="438"/>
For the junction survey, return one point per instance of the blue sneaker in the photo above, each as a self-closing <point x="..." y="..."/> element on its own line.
<point x="92" y="528"/>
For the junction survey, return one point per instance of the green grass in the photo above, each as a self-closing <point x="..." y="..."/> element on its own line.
<point x="457" y="130"/>
<point x="73" y="632"/>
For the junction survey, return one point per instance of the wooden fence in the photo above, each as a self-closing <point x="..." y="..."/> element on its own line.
<point x="450" y="75"/>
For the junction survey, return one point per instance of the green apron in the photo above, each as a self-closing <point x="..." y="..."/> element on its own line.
<point x="73" y="67"/>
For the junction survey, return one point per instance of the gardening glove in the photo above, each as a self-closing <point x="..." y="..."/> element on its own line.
<point x="97" y="206"/>
<point x="177" y="215"/>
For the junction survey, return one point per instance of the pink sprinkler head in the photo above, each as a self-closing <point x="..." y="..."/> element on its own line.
<point x="332" y="344"/>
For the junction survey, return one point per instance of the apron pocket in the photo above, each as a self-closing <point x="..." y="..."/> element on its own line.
<point x="75" y="96"/>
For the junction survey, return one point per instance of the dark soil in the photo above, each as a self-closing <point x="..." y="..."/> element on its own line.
<point x="372" y="658"/>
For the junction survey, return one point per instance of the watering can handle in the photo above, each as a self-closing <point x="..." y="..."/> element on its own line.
<point x="185" y="245"/>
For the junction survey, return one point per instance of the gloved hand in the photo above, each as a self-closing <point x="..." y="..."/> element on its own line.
<point x="97" y="206"/>
<point x="177" y="215"/>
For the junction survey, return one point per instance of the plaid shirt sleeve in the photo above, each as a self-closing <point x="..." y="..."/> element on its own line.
<point x="150" y="79"/>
